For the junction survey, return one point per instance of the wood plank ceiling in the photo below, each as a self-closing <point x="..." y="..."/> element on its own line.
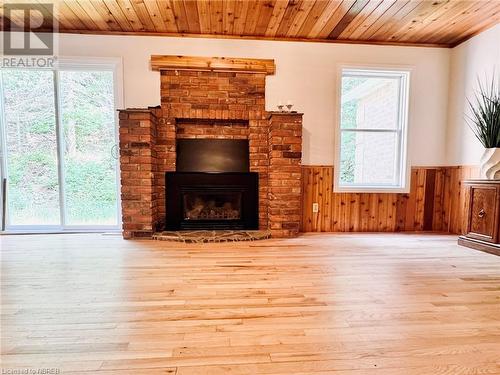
<point x="415" y="22"/>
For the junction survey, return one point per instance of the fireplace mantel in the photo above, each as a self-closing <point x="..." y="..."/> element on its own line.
<point x="213" y="64"/>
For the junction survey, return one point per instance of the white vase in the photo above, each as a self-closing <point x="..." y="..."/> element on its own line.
<point x="490" y="164"/>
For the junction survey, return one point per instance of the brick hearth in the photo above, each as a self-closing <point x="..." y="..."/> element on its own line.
<point x="209" y="104"/>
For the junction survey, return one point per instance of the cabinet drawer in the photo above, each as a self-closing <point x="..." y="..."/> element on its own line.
<point x="482" y="220"/>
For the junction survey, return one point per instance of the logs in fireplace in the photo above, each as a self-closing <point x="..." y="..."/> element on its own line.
<point x="211" y="206"/>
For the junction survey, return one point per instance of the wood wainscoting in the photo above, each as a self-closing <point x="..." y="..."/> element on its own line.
<point x="435" y="203"/>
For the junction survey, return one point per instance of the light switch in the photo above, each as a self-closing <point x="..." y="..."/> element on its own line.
<point x="315" y="207"/>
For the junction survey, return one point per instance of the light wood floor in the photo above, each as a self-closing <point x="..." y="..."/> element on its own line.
<point x="320" y="304"/>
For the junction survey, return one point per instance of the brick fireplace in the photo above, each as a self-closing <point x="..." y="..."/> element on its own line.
<point x="210" y="98"/>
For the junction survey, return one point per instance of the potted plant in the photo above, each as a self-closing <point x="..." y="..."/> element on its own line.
<point x="484" y="120"/>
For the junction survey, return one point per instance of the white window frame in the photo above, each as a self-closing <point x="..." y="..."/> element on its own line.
<point x="404" y="72"/>
<point x="113" y="64"/>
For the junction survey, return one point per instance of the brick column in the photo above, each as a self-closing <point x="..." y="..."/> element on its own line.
<point x="285" y="176"/>
<point x="166" y="155"/>
<point x="259" y="162"/>
<point x="137" y="167"/>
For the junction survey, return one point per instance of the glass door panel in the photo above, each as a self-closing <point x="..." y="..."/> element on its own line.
<point x="31" y="148"/>
<point x="89" y="169"/>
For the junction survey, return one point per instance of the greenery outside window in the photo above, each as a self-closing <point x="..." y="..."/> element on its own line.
<point x="371" y="138"/>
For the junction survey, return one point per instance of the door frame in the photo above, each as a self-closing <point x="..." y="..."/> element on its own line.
<point x="113" y="64"/>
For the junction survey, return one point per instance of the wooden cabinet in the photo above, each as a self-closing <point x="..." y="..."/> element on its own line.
<point x="482" y="226"/>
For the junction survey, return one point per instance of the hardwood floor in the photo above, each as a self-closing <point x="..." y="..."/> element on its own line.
<point x="391" y="304"/>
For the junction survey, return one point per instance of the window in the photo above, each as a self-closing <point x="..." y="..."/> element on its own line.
<point x="372" y="135"/>
<point x="58" y="132"/>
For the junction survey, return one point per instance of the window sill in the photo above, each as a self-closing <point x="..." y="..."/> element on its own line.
<point x="371" y="189"/>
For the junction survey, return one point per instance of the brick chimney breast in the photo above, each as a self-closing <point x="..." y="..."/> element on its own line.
<point x="208" y="104"/>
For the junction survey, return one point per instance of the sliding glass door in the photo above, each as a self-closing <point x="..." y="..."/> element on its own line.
<point x="87" y="117"/>
<point x="60" y="155"/>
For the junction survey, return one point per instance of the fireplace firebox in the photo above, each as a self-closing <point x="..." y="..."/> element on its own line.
<point x="200" y="200"/>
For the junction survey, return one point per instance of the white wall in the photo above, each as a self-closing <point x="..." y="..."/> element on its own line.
<point x="305" y="74"/>
<point x="477" y="58"/>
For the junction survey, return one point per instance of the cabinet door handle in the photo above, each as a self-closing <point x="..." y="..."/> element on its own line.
<point x="481" y="213"/>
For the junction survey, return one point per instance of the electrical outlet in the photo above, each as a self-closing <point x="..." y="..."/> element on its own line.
<point x="315" y="207"/>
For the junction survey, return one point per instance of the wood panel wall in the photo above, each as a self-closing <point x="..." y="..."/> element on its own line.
<point x="435" y="203"/>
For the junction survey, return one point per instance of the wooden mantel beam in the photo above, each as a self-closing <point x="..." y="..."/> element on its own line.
<point x="219" y="64"/>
